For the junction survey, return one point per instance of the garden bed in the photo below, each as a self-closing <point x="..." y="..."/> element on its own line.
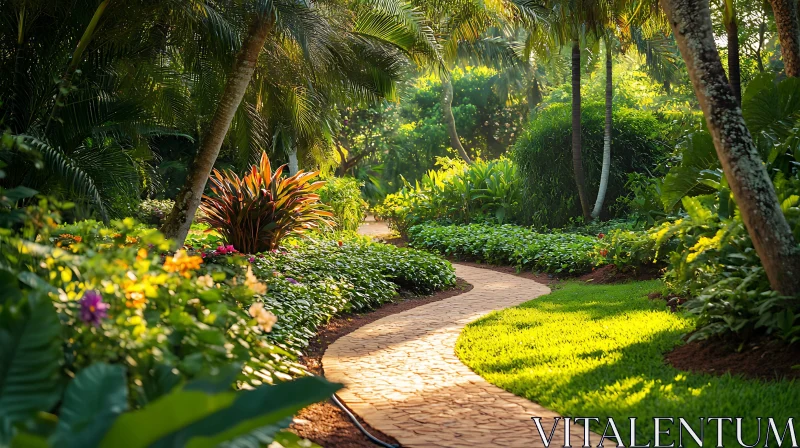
<point x="324" y="423"/>
<point x="763" y="359"/>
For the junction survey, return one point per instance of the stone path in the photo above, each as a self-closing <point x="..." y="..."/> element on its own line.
<point x="403" y="377"/>
<point x="371" y="227"/>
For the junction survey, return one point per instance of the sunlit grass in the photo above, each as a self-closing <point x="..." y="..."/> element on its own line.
<point x="597" y="351"/>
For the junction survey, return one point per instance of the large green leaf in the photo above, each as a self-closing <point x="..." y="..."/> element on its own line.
<point x="691" y="177"/>
<point x="767" y="106"/>
<point x="30" y="357"/>
<point x="196" y="418"/>
<point x="92" y="402"/>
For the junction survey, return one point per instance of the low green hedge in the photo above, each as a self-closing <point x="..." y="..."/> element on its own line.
<point x="313" y="281"/>
<point x="554" y="253"/>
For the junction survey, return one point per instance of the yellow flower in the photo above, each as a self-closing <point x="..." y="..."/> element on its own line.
<point x="134" y="293"/>
<point x="264" y="318"/>
<point x="703" y="244"/>
<point x="182" y="263"/>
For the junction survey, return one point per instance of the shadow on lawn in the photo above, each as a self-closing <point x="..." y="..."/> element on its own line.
<point x="602" y="374"/>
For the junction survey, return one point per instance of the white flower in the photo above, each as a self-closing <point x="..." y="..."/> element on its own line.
<point x="206" y="280"/>
<point x="264" y="318"/>
<point x="251" y="281"/>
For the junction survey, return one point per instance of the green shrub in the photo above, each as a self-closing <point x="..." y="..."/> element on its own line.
<point x="256" y="212"/>
<point x="543" y="156"/>
<point x="154" y="211"/>
<point x="343" y="196"/>
<point x="509" y="245"/>
<point x="457" y="193"/>
<point x="314" y="280"/>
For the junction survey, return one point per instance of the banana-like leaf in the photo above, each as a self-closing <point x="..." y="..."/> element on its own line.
<point x="30" y="358"/>
<point x="195" y="418"/>
<point x="91" y="404"/>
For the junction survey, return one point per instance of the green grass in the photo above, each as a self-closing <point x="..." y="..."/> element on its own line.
<point x="597" y="351"/>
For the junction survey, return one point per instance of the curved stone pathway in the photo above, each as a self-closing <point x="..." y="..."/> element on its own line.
<point x="402" y="376"/>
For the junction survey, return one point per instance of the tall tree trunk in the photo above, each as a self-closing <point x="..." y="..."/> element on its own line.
<point x="762" y="29"/>
<point x="180" y="219"/>
<point x="450" y="121"/>
<point x="294" y="166"/>
<point x="732" y="30"/>
<point x="788" y="26"/>
<point x="65" y="84"/>
<point x="748" y="178"/>
<point x="534" y="96"/>
<point x="606" y="170"/>
<point x="577" y="157"/>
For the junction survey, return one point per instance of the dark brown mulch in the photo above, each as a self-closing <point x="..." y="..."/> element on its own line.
<point x="324" y="423"/>
<point x="610" y="274"/>
<point x="673" y="300"/>
<point x="765" y="358"/>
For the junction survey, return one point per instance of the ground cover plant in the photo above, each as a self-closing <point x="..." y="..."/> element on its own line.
<point x="555" y="253"/>
<point x="311" y="281"/>
<point x="607" y="361"/>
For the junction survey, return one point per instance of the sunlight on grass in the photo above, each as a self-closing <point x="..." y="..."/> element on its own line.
<point x="597" y="351"/>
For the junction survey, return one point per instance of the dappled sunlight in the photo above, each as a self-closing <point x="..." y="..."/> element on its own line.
<point x="598" y="350"/>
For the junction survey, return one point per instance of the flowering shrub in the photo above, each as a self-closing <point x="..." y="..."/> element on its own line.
<point x="256" y="212"/>
<point x="512" y="245"/>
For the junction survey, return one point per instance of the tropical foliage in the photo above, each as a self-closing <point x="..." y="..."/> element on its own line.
<point x="255" y="212"/>
<point x="343" y="196"/>
<point x="545" y="165"/>
<point x="456" y="193"/>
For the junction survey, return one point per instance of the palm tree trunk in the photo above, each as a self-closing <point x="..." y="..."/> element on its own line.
<point x="606" y="170"/>
<point x="534" y="96"/>
<point x="294" y="166"/>
<point x="65" y="84"/>
<point x="732" y="30"/>
<point x="180" y="219"/>
<point x="748" y="178"/>
<point x="788" y="26"/>
<point x="450" y="121"/>
<point x="577" y="157"/>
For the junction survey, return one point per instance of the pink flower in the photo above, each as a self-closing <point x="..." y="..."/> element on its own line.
<point x="93" y="309"/>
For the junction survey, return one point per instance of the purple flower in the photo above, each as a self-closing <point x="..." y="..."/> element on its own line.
<point x="292" y="281"/>
<point x="251" y="259"/>
<point x="93" y="309"/>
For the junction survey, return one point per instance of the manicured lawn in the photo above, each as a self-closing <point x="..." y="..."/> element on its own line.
<point x="596" y="351"/>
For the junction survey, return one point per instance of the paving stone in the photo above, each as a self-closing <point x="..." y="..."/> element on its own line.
<point x="402" y="376"/>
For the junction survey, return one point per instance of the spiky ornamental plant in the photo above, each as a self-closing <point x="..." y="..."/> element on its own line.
<point x="255" y="212"/>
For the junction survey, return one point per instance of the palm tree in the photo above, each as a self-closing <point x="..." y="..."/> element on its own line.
<point x="743" y="167"/>
<point x="92" y="127"/>
<point x="732" y="33"/>
<point x="788" y="24"/>
<point x="313" y="32"/>
<point x="180" y="219"/>
<point x="461" y="29"/>
<point x="606" y="168"/>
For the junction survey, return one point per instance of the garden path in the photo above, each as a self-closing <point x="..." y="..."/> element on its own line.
<point x="372" y="227"/>
<point x="402" y="376"/>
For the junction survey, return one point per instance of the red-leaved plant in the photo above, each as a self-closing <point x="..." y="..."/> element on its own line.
<point x="256" y="212"/>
